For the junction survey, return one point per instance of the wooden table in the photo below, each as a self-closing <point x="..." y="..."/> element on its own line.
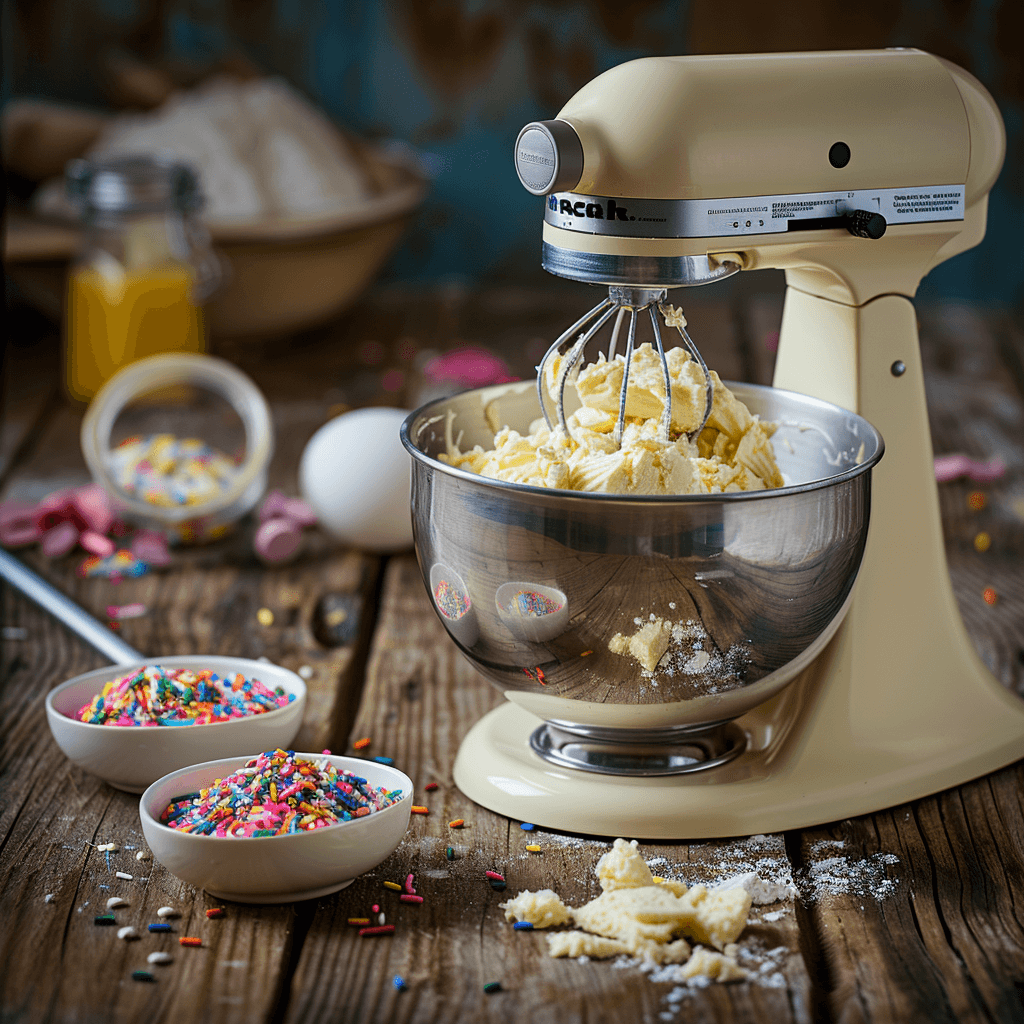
<point x="936" y="936"/>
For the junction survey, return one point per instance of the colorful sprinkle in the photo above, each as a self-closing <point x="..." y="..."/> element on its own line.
<point x="265" y="617"/>
<point x="399" y="982"/>
<point x="494" y="876"/>
<point x="114" y="567"/>
<point x="449" y="852"/>
<point x="523" y="926"/>
<point x="952" y="467"/>
<point x="277" y="793"/>
<point x="451" y="602"/>
<point x="498" y="886"/>
<point x="527" y="826"/>
<point x="384" y="760"/>
<point x="976" y="501"/>
<point x="430" y="787"/>
<point x="416" y="809"/>
<point x="492" y="986"/>
<point x="126" y="611"/>
<point x="155" y="696"/>
<point x="407" y="897"/>
<point x="584" y="654"/>
<point x="380" y="929"/>
<point x="159" y="957"/>
<point x="982" y="542"/>
<point x="362" y="744"/>
<point x="989" y="595"/>
<point x="457" y="823"/>
<point x="533" y="848"/>
<point x="142" y="976"/>
<point x="215" y="912"/>
<point x="393" y="885"/>
<point x="104" y="919"/>
<point x="409" y="884"/>
<point x="359" y="922"/>
<point x="160" y="926"/>
<point x="190" y="940"/>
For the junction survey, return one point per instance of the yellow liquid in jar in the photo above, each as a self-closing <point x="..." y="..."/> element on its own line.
<point x="113" y="320"/>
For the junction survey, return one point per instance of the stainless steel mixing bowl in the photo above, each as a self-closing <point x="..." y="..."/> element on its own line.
<point x="754" y="584"/>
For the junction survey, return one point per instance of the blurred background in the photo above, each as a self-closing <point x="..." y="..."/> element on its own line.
<point x="454" y="80"/>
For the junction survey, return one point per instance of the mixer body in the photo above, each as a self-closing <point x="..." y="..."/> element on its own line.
<point x="856" y="173"/>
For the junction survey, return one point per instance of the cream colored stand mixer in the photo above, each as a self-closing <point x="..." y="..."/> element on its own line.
<point x="856" y="173"/>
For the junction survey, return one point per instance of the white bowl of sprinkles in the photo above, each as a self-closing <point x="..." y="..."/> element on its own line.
<point x="133" y="757"/>
<point x="300" y="865"/>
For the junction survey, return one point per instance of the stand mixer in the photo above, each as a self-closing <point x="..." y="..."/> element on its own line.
<point x="856" y="173"/>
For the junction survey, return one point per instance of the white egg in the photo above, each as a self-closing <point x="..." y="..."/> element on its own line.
<point x="355" y="473"/>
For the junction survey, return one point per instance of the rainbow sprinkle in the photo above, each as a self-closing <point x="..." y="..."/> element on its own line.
<point x="153" y="696"/>
<point x="529" y="602"/>
<point x="170" y="471"/>
<point x="274" y="794"/>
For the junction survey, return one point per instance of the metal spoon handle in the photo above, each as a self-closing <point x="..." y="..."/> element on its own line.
<point x="62" y="608"/>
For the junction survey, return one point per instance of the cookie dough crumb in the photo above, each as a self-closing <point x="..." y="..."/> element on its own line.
<point x="543" y="909"/>
<point x="574" y="944"/>
<point x="622" y="867"/>
<point x="705" y="963"/>
<point x="648" y="644"/>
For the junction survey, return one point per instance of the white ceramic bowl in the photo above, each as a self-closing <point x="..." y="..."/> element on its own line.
<point x="133" y="757"/>
<point x="275" y="869"/>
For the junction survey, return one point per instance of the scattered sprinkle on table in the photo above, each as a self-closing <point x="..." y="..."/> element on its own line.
<point x="155" y="696"/>
<point x="494" y="876"/>
<point x="523" y="926"/>
<point x="989" y="595"/>
<point x="407" y="897"/>
<point x="457" y="823"/>
<point x="167" y="912"/>
<point x="359" y="922"/>
<point x="380" y="929"/>
<point x="982" y="542"/>
<point x="126" y="611"/>
<point x="159" y="957"/>
<point x="527" y="826"/>
<point x="265" y="617"/>
<point x="449" y="853"/>
<point x="215" y="912"/>
<point x="399" y="983"/>
<point x="116" y="901"/>
<point x="277" y="793"/>
<point x="362" y="744"/>
<point x="498" y="886"/>
<point x="127" y="932"/>
<point x="160" y="926"/>
<point x="114" y="567"/>
<point x="492" y="986"/>
<point x="418" y="809"/>
<point x="105" y="919"/>
<point x="142" y="976"/>
<point x="190" y="940"/>
<point x="976" y="500"/>
<point x="393" y="885"/>
<point x="409" y="884"/>
<point x="533" y="848"/>
<point x="124" y="875"/>
<point x="142" y="855"/>
<point x="384" y="760"/>
<point x="430" y="787"/>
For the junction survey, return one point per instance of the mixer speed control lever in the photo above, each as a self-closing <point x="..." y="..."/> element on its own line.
<point x="864" y="223"/>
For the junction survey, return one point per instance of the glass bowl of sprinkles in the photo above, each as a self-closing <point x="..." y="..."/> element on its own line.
<point x="132" y="724"/>
<point x="532" y="612"/>
<point x="277" y="826"/>
<point x="181" y="443"/>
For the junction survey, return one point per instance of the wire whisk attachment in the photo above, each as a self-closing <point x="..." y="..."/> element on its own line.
<point x="621" y="301"/>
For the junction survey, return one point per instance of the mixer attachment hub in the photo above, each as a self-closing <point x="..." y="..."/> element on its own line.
<point x="639" y="753"/>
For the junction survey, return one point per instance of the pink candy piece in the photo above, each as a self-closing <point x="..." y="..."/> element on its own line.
<point x="151" y="547"/>
<point x="93" y="506"/>
<point x="277" y="540"/>
<point x="59" y="539"/>
<point x="126" y="611"/>
<point x="96" y="544"/>
<point x="952" y="467"/>
<point x="277" y="505"/>
<point x="18" y="525"/>
<point x="470" y="366"/>
<point x="272" y="507"/>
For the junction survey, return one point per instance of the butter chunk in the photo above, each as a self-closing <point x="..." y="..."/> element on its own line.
<point x="648" y="645"/>
<point x="622" y="867"/>
<point x="543" y="909"/>
<point x="704" y="963"/>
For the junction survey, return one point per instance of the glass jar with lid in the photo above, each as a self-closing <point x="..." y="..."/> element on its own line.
<point x="144" y="268"/>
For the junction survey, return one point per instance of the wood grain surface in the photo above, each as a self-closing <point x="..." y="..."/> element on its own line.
<point x="911" y="914"/>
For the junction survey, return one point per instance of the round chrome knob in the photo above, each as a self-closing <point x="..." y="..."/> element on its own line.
<point x="549" y="157"/>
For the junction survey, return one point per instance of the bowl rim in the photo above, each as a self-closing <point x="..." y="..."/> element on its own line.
<point x="436" y="407"/>
<point x="147" y="817"/>
<point x="293" y="678"/>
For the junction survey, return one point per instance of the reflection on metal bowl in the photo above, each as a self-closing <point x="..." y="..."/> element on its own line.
<point x="749" y="586"/>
